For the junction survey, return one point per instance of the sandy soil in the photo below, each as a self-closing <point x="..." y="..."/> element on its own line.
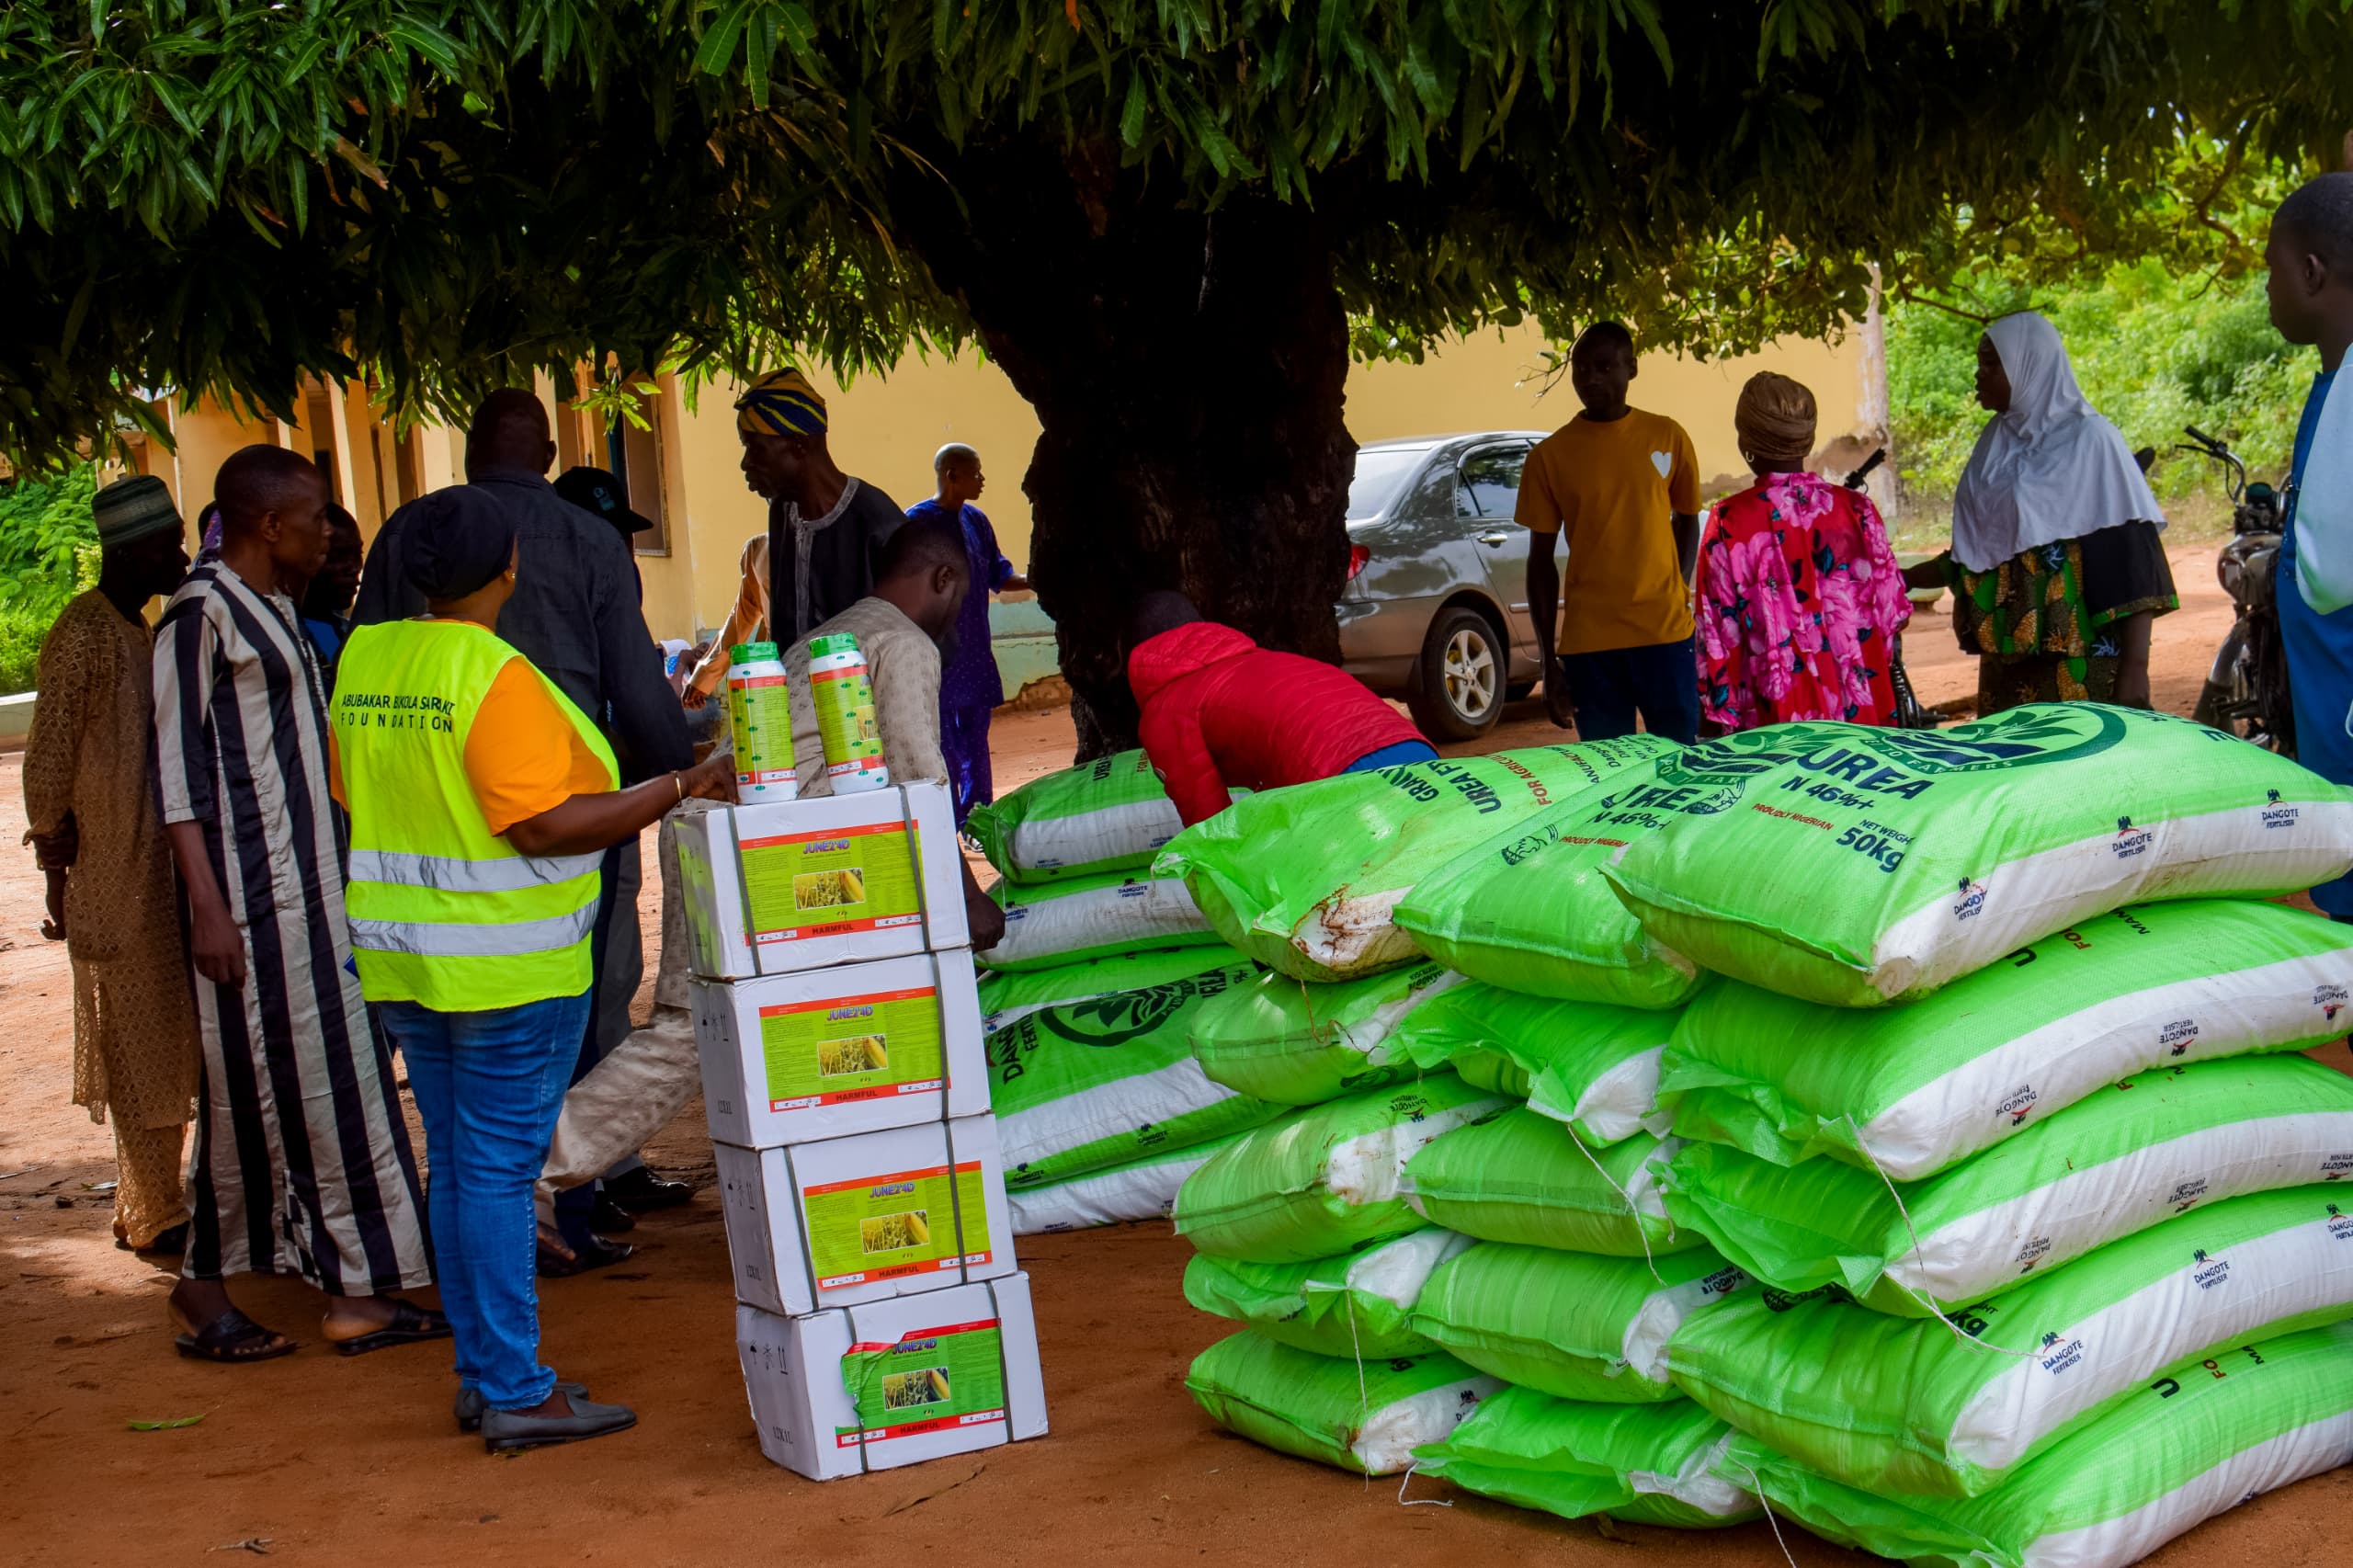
<point x="316" y="1459"/>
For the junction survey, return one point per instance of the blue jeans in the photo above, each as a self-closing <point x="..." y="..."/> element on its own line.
<point x="1660" y="682"/>
<point x="1398" y="755"/>
<point x="489" y="1086"/>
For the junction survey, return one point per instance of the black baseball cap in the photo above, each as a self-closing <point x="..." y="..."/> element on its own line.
<point x="595" y="490"/>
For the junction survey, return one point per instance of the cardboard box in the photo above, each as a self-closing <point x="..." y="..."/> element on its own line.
<point x="829" y="1053"/>
<point x="816" y="1225"/>
<point x="945" y="1372"/>
<point x="806" y="884"/>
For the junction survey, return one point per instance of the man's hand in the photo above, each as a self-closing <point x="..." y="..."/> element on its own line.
<point x="218" y="947"/>
<point x="694" y="696"/>
<point x="985" y="918"/>
<point x="54" y="927"/>
<point x="713" y="778"/>
<point x="2133" y="686"/>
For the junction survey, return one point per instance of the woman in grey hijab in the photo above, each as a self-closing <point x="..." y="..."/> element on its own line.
<point x="2055" y="566"/>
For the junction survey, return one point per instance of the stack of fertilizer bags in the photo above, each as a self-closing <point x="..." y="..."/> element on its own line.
<point x="1978" y="1208"/>
<point x="1089" y="1000"/>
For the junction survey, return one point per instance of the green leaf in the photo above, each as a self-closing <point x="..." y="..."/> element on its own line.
<point x="170" y="1426"/>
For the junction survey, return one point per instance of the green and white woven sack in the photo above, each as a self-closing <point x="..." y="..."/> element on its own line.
<point x="1052" y="923"/>
<point x="1569" y="1324"/>
<point x="1530" y="910"/>
<point x="1297" y="1043"/>
<point x="1324" y="1181"/>
<point x="1366" y="1416"/>
<point x="1587" y="1064"/>
<point x="1009" y="995"/>
<point x="1857" y="866"/>
<point x="1357" y="1306"/>
<point x="1519" y="1176"/>
<point x="1951" y="1408"/>
<point x="1093" y="1085"/>
<point x="1647" y="1464"/>
<point x="1917" y="1088"/>
<point x="1107" y="815"/>
<point x="1143" y="1188"/>
<point x="1304" y="879"/>
<point x="2133" y="1155"/>
<point x="2209" y="1432"/>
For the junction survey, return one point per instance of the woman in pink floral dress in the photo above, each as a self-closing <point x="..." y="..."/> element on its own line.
<point x="1799" y="596"/>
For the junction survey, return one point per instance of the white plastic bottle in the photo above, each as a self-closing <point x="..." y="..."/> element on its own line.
<point x="844" y="698"/>
<point x="759" y="717"/>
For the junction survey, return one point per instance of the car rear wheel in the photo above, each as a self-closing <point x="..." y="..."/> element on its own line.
<point x="1460" y="693"/>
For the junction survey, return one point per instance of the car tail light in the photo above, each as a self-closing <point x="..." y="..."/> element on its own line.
<point x="1358" y="556"/>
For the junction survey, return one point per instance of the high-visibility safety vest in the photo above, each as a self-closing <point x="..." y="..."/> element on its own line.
<point x="443" y="912"/>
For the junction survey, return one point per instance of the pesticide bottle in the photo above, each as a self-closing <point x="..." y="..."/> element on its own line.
<point x="759" y="716"/>
<point x="844" y="702"/>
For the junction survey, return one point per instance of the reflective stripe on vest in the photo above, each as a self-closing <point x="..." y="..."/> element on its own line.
<point x="427" y="939"/>
<point x="447" y="873"/>
<point x="442" y="910"/>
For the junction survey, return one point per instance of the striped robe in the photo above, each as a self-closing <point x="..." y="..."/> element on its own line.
<point x="302" y="1163"/>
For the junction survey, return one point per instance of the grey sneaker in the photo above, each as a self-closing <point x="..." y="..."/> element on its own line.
<point x="469" y="1407"/>
<point x="504" y="1431"/>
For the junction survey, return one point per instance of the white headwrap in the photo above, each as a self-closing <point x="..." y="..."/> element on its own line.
<point x="2051" y="468"/>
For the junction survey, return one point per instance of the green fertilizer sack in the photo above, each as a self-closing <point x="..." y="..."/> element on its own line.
<point x="1530" y="910"/>
<point x="1856" y="865"/>
<point x="1008" y="994"/>
<point x="1568" y="1324"/>
<point x="1050" y="924"/>
<point x="1324" y="1181"/>
<point x="1092" y="1084"/>
<point x="1918" y="1088"/>
<point x="1297" y="1043"/>
<point x="1304" y="879"/>
<point x="2208" y="1433"/>
<point x="1366" y="1416"/>
<point x="1107" y="816"/>
<point x="2137" y="1153"/>
<point x="1143" y="1188"/>
<point x="1356" y="1306"/>
<point x="1950" y="1408"/>
<point x="1646" y="1464"/>
<point x="1519" y="1176"/>
<point x="1589" y="1064"/>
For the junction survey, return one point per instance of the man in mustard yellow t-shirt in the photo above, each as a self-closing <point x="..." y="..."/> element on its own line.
<point x="1624" y="487"/>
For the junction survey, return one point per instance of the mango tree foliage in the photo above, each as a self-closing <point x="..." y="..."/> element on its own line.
<point x="1172" y="221"/>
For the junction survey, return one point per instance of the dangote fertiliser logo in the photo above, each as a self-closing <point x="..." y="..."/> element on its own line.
<point x="2130" y="840"/>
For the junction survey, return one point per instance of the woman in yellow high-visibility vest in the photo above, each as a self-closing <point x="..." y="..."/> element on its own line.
<point x="482" y="800"/>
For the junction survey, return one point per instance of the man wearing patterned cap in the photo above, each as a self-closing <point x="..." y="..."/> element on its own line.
<point x="826" y="530"/>
<point x="96" y="832"/>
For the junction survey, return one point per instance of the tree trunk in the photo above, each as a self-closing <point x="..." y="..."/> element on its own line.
<point x="1188" y="368"/>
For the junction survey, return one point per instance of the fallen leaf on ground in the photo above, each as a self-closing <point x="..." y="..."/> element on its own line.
<point x="175" y="1422"/>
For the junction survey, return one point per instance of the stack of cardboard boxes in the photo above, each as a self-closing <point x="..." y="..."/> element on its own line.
<point x="881" y="1319"/>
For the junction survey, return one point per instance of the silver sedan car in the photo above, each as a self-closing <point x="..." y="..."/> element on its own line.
<point x="1436" y="606"/>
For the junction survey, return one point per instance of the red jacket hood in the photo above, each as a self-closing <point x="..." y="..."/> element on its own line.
<point x="1157" y="662"/>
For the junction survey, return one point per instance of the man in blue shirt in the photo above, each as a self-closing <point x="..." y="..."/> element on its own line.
<point x="970" y="688"/>
<point x="2311" y="258"/>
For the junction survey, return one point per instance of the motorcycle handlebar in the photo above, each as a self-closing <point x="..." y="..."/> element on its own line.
<point x="1855" y="480"/>
<point x="2203" y="439"/>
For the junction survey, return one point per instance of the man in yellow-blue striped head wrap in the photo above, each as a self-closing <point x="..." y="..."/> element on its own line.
<point x="825" y="529"/>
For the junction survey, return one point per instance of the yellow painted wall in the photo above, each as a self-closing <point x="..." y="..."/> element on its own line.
<point x="886" y="427"/>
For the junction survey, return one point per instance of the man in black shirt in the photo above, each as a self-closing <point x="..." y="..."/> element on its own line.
<point x="826" y="528"/>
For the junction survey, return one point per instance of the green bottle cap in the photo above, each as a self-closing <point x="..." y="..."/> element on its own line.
<point x="835" y="643"/>
<point x="750" y="652"/>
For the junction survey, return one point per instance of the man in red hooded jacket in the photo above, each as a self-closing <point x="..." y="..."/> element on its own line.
<point x="1221" y="712"/>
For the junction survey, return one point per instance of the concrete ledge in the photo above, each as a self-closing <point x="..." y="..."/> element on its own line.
<point x="15" y="720"/>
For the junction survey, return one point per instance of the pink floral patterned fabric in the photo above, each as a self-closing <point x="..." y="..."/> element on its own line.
<point x="1799" y="600"/>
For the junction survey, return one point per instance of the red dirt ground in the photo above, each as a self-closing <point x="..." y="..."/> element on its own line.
<point x="314" y="1458"/>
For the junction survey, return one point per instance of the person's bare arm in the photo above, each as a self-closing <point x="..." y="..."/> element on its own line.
<point x="1687" y="544"/>
<point x="215" y="943"/>
<point x="1016" y="583"/>
<point x="1933" y="573"/>
<point x="586" y="824"/>
<point x="2132" y="667"/>
<point x="1543" y="610"/>
<point x="981" y="912"/>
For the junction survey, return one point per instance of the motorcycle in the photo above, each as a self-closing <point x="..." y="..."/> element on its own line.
<point x="1911" y="713"/>
<point x="2246" y="690"/>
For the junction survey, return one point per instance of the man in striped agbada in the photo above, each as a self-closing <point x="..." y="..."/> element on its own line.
<point x="302" y="1163"/>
